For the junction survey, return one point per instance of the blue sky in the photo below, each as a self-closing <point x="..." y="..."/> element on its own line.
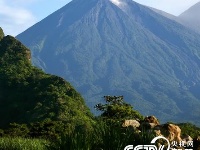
<point x="18" y="15"/>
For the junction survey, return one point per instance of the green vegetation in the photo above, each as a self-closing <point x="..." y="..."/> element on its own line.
<point x="103" y="136"/>
<point x="28" y="95"/>
<point x="106" y="132"/>
<point x="34" y="104"/>
<point x="189" y="129"/>
<point x="8" y="143"/>
<point x="116" y="109"/>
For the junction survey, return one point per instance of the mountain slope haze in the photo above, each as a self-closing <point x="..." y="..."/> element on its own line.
<point x="191" y="17"/>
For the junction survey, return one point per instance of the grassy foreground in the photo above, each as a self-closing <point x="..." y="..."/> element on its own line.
<point x="102" y="137"/>
<point x="18" y="143"/>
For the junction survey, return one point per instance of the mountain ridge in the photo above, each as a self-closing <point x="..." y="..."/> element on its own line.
<point x="103" y="50"/>
<point x="191" y="16"/>
<point x="188" y="18"/>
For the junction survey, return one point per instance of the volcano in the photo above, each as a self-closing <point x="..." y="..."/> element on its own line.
<point x="119" y="47"/>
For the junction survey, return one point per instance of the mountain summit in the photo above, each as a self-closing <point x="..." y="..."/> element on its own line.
<point x="191" y="17"/>
<point x="121" y="48"/>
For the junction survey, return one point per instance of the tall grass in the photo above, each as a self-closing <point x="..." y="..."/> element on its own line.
<point x="111" y="137"/>
<point x="17" y="143"/>
<point x="103" y="137"/>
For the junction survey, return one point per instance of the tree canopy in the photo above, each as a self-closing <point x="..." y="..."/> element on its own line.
<point x="28" y="95"/>
<point x="116" y="109"/>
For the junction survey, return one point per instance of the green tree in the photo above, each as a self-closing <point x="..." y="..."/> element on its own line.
<point x="116" y="109"/>
<point x="28" y="95"/>
<point x="189" y="129"/>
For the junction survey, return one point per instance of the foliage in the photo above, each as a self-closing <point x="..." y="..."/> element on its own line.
<point x="16" y="130"/>
<point x="28" y="95"/>
<point x="116" y="110"/>
<point x="104" y="136"/>
<point x="18" y="143"/>
<point x="111" y="136"/>
<point x="49" y="130"/>
<point x="106" y="133"/>
<point x="189" y="129"/>
<point x="78" y="140"/>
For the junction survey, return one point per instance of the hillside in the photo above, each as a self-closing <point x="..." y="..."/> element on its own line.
<point x="28" y="95"/>
<point x="104" y="48"/>
<point x="191" y="17"/>
<point x="165" y="14"/>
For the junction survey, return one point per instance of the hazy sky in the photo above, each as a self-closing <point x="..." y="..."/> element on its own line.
<point x="18" y="15"/>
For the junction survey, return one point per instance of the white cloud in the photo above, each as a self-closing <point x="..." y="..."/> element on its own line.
<point x="116" y="2"/>
<point x="14" y="19"/>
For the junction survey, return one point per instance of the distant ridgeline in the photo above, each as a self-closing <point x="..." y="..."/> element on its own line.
<point x="29" y="95"/>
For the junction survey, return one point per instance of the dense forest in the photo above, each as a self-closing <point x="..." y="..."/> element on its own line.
<point x="30" y="95"/>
